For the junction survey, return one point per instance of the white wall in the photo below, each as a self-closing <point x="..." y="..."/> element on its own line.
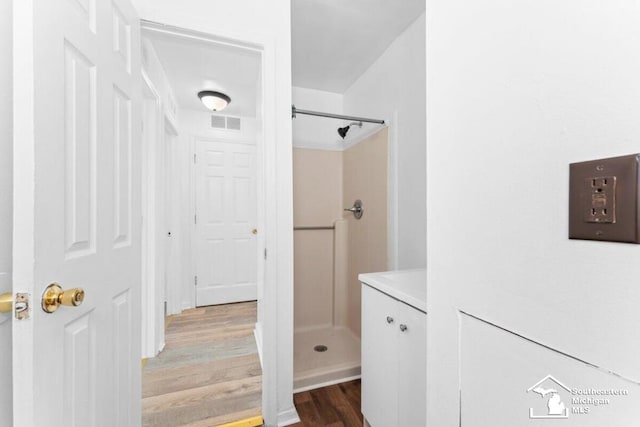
<point x="516" y="92"/>
<point x="317" y="132"/>
<point x="321" y="133"/>
<point x="268" y="24"/>
<point x="198" y="122"/>
<point x="6" y="197"/>
<point x="393" y="89"/>
<point x="154" y="69"/>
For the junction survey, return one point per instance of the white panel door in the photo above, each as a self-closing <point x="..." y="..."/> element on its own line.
<point x="226" y="256"/>
<point x="77" y="211"/>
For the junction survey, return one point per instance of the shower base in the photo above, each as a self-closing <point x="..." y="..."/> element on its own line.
<point x="340" y="361"/>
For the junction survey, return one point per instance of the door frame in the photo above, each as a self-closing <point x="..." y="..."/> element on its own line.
<point x="156" y="289"/>
<point x="274" y="330"/>
<point x="152" y="319"/>
<point x="172" y="215"/>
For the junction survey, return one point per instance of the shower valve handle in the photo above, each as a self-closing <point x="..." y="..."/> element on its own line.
<point x="389" y="319"/>
<point x="356" y="209"/>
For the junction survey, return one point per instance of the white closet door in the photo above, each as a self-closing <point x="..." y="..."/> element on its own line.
<point x="225" y="222"/>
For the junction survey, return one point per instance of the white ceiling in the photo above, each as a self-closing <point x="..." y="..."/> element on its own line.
<point x="335" y="41"/>
<point x="192" y="65"/>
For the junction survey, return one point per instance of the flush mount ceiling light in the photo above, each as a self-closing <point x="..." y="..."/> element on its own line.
<point x="215" y="101"/>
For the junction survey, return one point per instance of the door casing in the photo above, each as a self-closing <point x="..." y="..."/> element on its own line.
<point x="274" y="219"/>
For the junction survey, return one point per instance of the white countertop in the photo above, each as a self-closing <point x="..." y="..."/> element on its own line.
<point x="408" y="286"/>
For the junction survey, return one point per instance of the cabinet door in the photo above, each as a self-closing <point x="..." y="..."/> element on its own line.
<point x="379" y="358"/>
<point x="412" y="366"/>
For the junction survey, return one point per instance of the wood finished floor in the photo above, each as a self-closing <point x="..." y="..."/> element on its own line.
<point x="333" y="406"/>
<point x="209" y="371"/>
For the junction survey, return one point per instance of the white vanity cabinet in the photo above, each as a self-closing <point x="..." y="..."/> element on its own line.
<point x="394" y="347"/>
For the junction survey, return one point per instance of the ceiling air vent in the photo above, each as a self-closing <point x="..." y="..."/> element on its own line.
<point x="225" y="122"/>
<point x="218" y="122"/>
<point x="233" y="123"/>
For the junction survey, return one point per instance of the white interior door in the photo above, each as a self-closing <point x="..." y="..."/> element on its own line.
<point x="225" y="222"/>
<point x="77" y="211"/>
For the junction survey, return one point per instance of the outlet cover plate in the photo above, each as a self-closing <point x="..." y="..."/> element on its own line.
<point x="603" y="199"/>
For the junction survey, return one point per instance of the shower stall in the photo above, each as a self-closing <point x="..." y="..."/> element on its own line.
<point x="340" y="231"/>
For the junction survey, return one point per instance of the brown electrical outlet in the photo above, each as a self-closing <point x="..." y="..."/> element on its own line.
<point x="601" y="206"/>
<point x="603" y="199"/>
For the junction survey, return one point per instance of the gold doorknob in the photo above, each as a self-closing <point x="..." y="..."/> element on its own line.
<point x="54" y="297"/>
<point x="254" y="231"/>
<point x="6" y="302"/>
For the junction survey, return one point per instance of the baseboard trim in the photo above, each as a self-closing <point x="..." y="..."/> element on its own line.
<point x="327" y="383"/>
<point x="167" y="321"/>
<point x="257" y="334"/>
<point x="288" y="417"/>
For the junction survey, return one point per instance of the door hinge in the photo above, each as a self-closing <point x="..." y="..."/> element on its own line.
<point x="195" y="219"/>
<point x="194" y="157"/>
<point x="265" y="253"/>
<point x="195" y="280"/>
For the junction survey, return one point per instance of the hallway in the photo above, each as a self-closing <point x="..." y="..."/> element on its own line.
<point x="209" y="371"/>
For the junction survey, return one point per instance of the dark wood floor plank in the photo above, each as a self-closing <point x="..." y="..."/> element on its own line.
<point x="332" y="406"/>
<point x="344" y="410"/>
<point x="308" y="412"/>
<point x="328" y="411"/>
<point x="352" y="391"/>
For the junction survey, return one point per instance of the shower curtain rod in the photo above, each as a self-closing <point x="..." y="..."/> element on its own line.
<point x="295" y="111"/>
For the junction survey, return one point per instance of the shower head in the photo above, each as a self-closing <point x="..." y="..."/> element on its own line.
<point x="343" y="131"/>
